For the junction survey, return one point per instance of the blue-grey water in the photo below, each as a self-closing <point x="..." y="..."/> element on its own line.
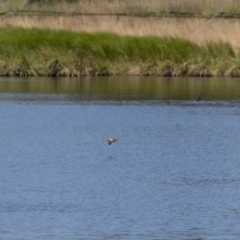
<point x="174" y="172"/>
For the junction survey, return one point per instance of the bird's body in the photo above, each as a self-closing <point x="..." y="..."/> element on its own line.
<point x="111" y="140"/>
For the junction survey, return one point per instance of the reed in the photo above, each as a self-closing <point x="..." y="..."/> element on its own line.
<point x="196" y="30"/>
<point x="36" y="52"/>
<point x="193" y="6"/>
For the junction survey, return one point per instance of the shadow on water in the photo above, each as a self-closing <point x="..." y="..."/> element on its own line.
<point x="122" y="88"/>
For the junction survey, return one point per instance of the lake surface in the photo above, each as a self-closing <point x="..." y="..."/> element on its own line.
<point x="174" y="172"/>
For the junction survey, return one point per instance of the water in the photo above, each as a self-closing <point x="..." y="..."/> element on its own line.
<point x="174" y="173"/>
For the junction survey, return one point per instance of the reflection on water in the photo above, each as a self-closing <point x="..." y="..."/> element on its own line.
<point x="128" y="88"/>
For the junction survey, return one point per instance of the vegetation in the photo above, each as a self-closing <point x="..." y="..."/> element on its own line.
<point x="193" y="6"/>
<point x="197" y="30"/>
<point x="75" y="45"/>
<point x="64" y="53"/>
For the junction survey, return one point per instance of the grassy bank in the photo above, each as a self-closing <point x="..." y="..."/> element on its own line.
<point x="63" y="53"/>
<point x="197" y="30"/>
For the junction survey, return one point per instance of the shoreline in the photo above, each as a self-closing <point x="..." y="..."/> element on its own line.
<point x="61" y="53"/>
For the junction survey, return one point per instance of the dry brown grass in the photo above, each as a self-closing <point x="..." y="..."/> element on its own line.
<point x="195" y="6"/>
<point x="194" y="29"/>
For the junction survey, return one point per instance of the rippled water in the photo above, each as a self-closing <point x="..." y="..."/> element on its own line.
<point x="174" y="173"/>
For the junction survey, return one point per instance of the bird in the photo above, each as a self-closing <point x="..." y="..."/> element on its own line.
<point x="199" y="98"/>
<point x="111" y="140"/>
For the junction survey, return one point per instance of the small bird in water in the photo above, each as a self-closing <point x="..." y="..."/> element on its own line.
<point x="199" y="98"/>
<point x="111" y="140"/>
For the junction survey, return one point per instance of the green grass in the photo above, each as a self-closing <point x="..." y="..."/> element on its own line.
<point x="63" y="53"/>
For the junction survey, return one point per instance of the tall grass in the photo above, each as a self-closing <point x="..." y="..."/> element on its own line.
<point x="194" y="6"/>
<point x="196" y="30"/>
<point x="64" y="53"/>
